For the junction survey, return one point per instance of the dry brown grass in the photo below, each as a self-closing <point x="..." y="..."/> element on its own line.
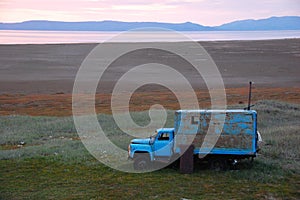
<point x="61" y="104"/>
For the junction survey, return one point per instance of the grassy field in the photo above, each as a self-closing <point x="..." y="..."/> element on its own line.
<point x="43" y="158"/>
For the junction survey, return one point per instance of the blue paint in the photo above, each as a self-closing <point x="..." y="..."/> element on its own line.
<point x="220" y="151"/>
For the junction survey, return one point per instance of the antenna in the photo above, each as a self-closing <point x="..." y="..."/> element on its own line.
<point x="249" y="96"/>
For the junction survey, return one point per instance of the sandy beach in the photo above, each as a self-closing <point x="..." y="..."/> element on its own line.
<point x="46" y="73"/>
<point x="29" y="69"/>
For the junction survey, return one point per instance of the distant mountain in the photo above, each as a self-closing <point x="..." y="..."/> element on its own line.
<point x="273" y="23"/>
<point x="99" y="26"/>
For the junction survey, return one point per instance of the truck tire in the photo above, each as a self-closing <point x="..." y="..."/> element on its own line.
<point x="141" y="162"/>
<point x="219" y="164"/>
<point x="250" y="162"/>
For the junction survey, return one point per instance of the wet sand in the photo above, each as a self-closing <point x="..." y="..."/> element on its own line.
<point x="50" y="69"/>
<point x="38" y="79"/>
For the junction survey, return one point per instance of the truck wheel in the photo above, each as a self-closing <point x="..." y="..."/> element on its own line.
<point x="250" y="162"/>
<point x="141" y="162"/>
<point x="219" y="164"/>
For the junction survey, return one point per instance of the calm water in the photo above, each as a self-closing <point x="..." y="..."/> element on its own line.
<point x="46" y="37"/>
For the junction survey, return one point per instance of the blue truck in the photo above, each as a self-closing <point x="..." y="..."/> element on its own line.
<point x="236" y="140"/>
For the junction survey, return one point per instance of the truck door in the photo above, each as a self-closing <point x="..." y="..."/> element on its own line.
<point x="164" y="144"/>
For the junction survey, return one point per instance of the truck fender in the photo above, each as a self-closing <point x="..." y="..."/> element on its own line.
<point x="135" y="154"/>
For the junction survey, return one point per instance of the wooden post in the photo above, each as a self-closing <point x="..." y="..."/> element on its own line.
<point x="187" y="160"/>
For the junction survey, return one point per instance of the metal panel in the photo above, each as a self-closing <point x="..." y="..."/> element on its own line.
<point x="238" y="133"/>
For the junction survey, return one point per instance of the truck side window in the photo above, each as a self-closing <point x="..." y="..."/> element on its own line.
<point x="164" y="136"/>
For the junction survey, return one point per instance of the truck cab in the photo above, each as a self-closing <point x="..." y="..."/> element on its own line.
<point x="158" y="147"/>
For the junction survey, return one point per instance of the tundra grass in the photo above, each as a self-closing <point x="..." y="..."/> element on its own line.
<point x="43" y="158"/>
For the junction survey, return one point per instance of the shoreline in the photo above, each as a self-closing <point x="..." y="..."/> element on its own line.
<point x="126" y="42"/>
<point x="92" y="37"/>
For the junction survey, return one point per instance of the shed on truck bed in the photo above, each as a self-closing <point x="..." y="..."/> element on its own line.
<point x="237" y="137"/>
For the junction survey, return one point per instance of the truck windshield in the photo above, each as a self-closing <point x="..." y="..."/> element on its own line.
<point x="154" y="135"/>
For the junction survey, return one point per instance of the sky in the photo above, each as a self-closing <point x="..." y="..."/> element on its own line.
<point x="205" y="12"/>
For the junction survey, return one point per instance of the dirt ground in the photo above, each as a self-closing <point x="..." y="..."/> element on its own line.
<point x="38" y="79"/>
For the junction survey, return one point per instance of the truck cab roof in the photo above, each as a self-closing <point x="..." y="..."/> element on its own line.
<point x="165" y="130"/>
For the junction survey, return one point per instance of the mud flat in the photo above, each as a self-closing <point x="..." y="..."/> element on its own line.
<point x="48" y="69"/>
<point x="36" y="77"/>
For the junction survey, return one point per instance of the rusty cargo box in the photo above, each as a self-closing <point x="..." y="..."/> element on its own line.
<point x="232" y="131"/>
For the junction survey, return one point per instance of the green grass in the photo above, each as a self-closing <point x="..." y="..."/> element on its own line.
<point x="53" y="163"/>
